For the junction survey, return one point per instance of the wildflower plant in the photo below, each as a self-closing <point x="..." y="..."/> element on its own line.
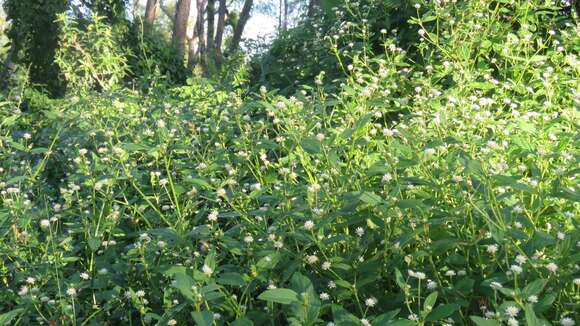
<point x="431" y="189"/>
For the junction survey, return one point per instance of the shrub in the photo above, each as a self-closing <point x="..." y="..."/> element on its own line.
<point x="297" y="56"/>
<point x="435" y="191"/>
<point x="154" y="59"/>
<point x="90" y="58"/>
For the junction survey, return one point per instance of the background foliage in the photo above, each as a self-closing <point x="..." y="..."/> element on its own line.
<point x="426" y="176"/>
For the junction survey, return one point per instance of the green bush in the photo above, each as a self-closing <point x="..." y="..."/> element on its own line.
<point x="154" y="59"/>
<point x="428" y="187"/>
<point x="297" y="56"/>
<point x="90" y="58"/>
<point x="34" y="32"/>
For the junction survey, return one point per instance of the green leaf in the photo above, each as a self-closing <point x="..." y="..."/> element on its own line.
<point x="442" y="311"/>
<point x="378" y="168"/>
<point x="343" y="284"/>
<point x="386" y="318"/>
<point x="5" y="318"/>
<point x="402" y="322"/>
<point x="200" y="182"/>
<point x="282" y="296"/>
<point x="94" y="243"/>
<point x="39" y="150"/>
<point x="342" y="317"/>
<point x="135" y="147"/>
<point x="534" y="288"/>
<point x="546" y="302"/>
<point x="426" y="19"/>
<point x="9" y="121"/>
<point x="465" y="285"/>
<point x="202" y="318"/>
<point x="311" y="146"/>
<point x="531" y="319"/>
<point x="242" y="322"/>
<point x="362" y="121"/>
<point x="430" y="302"/>
<point x="370" y="198"/>
<point x="17" y="146"/>
<point x="471" y="166"/>
<point x="234" y="279"/>
<point x="484" y="322"/>
<point x="410" y="203"/>
<point x="400" y="280"/>
<point x="308" y="307"/>
<point x="210" y="260"/>
<point x="566" y="194"/>
<point x="504" y="180"/>
<point x="183" y="283"/>
<point x="268" y="262"/>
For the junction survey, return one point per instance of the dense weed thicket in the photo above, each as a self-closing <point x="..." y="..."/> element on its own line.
<point x="436" y="188"/>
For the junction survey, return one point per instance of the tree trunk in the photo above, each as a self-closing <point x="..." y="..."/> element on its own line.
<point x="210" y="26"/>
<point x="200" y="31"/>
<point x="285" y="22"/>
<point x="8" y="66"/>
<point x="151" y="12"/>
<point x="220" y="31"/>
<point x="313" y="7"/>
<point x="192" y="50"/>
<point x="239" y="29"/>
<point x="180" y="24"/>
<point x="280" y="10"/>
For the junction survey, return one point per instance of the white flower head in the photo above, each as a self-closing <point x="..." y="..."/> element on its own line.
<point x="552" y="267"/>
<point x="512" y="311"/>
<point x="567" y="321"/>
<point x="71" y="292"/>
<point x="44" y="224"/>
<point x="516" y="269"/>
<point x="312" y="259"/>
<point x="213" y="216"/>
<point x="492" y="249"/>
<point x="430" y="151"/>
<point x="309" y="225"/>
<point x="371" y="302"/>
<point x="206" y="270"/>
<point x="417" y="275"/>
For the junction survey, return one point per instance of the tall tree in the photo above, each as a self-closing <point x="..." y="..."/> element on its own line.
<point x="34" y="35"/>
<point x="239" y="28"/>
<point x="199" y="34"/>
<point x="151" y="12"/>
<point x="280" y="6"/>
<point x="210" y="26"/>
<point x="285" y="19"/>
<point x="180" y="24"/>
<point x="192" y="44"/>
<point x="219" y="34"/>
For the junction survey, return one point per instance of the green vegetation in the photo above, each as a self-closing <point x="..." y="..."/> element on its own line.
<point x="420" y="176"/>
